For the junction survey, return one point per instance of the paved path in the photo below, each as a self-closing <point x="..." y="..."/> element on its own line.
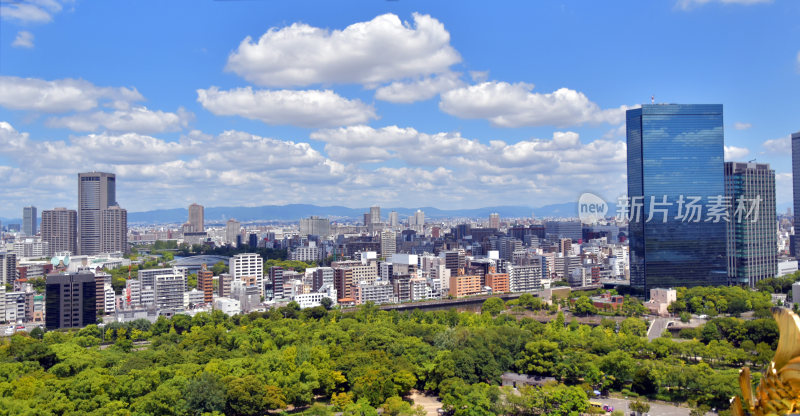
<point x="430" y="403"/>
<point x="656" y="409"/>
<point x="658" y="327"/>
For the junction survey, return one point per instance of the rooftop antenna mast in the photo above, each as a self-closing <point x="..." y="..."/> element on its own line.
<point x="652" y="99"/>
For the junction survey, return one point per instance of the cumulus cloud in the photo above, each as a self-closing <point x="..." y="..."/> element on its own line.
<point x="689" y="4"/>
<point x="732" y="153"/>
<point x="60" y="96"/>
<point x="239" y="168"/>
<point x="418" y="90"/>
<point x="741" y="126"/>
<point x="515" y="105"/>
<point x="381" y="50"/>
<point x="311" y="108"/>
<point x="30" y="11"/>
<point x="780" y="146"/>
<point x="137" y="120"/>
<point x="24" y="39"/>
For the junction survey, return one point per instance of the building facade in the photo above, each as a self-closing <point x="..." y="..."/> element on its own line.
<point x="796" y="188"/>
<point x="29" y="221"/>
<point x="752" y="235"/>
<point x="70" y="300"/>
<point x="96" y="192"/>
<point x="114" y="230"/>
<point x="675" y="163"/>
<point x="315" y="226"/>
<point x="248" y="265"/>
<point x="60" y="230"/>
<point x="197" y="218"/>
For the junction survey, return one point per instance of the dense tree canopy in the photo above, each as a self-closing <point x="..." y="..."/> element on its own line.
<point x="365" y="360"/>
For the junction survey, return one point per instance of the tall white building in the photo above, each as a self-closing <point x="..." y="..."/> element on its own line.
<point x="394" y="220"/>
<point x="308" y="254"/>
<point x="375" y="214"/>
<point x="248" y="265"/>
<point x="168" y="292"/>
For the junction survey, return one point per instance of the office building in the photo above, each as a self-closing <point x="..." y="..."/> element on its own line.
<point x="232" y="228"/>
<point x="96" y="192"/>
<point x="248" y="265"/>
<point x="796" y="188"/>
<point x="197" y="218"/>
<point x="148" y="276"/>
<point x="70" y="300"/>
<point x="29" y="221"/>
<point x="556" y="230"/>
<point x="276" y="278"/>
<point x="60" y="230"/>
<point x="114" y="230"/>
<point x="375" y="215"/>
<point x="675" y="163"/>
<point x="388" y="244"/>
<point x="394" y="219"/>
<point x="752" y="239"/>
<point x="315" y="226"/>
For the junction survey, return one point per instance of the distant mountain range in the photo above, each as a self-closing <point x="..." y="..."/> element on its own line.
<point x="294" y="212"/>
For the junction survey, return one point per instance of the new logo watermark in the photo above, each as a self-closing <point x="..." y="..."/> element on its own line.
<point x="681" y="208"/>
<point x="591" y="208"/>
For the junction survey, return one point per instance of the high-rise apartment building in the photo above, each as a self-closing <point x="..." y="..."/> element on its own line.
<point x="675" y="173"/>
<point x="753" y="226"/>
<point x="494" y="221"/>
<point x="232" y="228"/>
<point x="388" y="243"/>
<point x="197" y="218"/>
<point x="96" y="192"/>
<point x="168" y="292"/>
<point x="114" y="229"/>
<point x="248" y="265"/>
<point x="8" y="268"/>
<point x="60" y="230"/>
<point x="205" y="284"/>
<point x="796" y="190"/>
<point x="394" y="219"/>
<point x="315" y="226"/>
<point x="70" y="300"/>
<point x="29" y="221"/>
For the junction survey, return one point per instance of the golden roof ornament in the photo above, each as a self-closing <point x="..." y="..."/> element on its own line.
<point x="779" y="390"/>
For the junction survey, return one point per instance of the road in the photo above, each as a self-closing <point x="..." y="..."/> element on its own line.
<point x="656" y="409"/>
<point x="657" y="328"/>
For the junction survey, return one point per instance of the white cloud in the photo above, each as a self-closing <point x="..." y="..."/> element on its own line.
<point x="60" y="96"/>
<point x="689" y="4"/>
<point x="381" y="50"/>
<point x="732" y="153"/>
<point x="137" y="120"/>
<point x="24" y="39"/>
<point x="418" y="90"/>
<point x="780" y="146"/>
<point x="30" y="11"/>
<point x="741" y="126"/>
<point x="312" y="108"/>
<point x="514" y="105"/>
<point x="239" y="168"/>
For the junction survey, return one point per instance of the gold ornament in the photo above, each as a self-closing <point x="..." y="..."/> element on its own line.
<point x="779" y="390"/>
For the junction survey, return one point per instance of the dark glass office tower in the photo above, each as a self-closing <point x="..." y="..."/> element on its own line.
<point x="70" y="300"/>
<point x="675" y="151"/>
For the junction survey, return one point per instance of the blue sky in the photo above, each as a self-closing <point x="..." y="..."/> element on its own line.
<point x="400" y="103"/>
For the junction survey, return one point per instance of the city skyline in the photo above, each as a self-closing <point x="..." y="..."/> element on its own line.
<point x="391" y="130"/>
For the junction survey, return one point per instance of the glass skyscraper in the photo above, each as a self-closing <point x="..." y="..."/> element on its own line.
<point x="752" y="239"/>
<point x="675" y="164"/>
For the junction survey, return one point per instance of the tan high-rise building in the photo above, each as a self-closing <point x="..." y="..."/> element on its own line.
<point x="205" y="283"/>
<point x="388" y="244"/>
<point x="114" y="230"/>
<point x="59" y="230"/>
<point x="197" y="218"/>
<point x="494" y="221"/>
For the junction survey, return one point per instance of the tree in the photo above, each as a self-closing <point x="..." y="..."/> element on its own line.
<point x="493" y="306"/>
<point x="219" y="268"/>
<point x="639" y="406"/>
<point x="395" y="406"/>
<point x="539" y="357"/>
<point x="584" y="306"/>
<point x="205" y="394"/>
<point x="326" y="303"/>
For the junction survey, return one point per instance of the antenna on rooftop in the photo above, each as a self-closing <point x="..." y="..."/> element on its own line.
<point x="652" y="99"/>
